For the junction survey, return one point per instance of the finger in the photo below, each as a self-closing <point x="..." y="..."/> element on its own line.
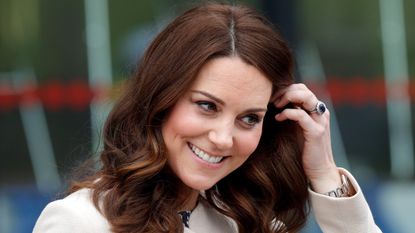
<point x="305" y="99"/>
<point x="311" y="125"/>
<point x="292" y="87"/>
<point x="300" y="97"/>
<point x="300" y="116"/>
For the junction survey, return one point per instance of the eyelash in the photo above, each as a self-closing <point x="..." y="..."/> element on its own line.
<point x="209" y="107"/>
<point x="252" y="121"/>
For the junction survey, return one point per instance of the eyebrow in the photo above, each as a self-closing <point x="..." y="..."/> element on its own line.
<point x="210" y="96"/>
<point x="223" y="103"/>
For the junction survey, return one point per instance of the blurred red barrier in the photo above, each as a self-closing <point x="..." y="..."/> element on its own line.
<point x="54" y="95"/>
<point x="77" y="94"/>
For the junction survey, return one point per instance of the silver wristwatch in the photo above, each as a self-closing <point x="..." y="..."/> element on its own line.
<point x="343" y="190"/>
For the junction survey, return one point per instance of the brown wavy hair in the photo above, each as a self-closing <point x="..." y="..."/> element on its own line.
<point x="134" y="187"/>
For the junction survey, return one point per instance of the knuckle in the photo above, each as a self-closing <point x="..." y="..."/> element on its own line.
<point x="319" y="131"/>
<point x="303" y="116"/>
<point x="327" y="113"/>
<point x="309" y="95"/>
<point x="301" y="86"/>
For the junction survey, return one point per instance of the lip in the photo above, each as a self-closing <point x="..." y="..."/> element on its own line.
<point x="203" y="162"/>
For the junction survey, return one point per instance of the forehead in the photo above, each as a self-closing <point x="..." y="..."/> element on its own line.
<point x="231" y="77"/>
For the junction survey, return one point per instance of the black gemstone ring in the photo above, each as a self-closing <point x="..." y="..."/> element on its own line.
<point x="320" y="108"/>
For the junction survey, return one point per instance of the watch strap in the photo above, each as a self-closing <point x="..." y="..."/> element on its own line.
<point x="343" y="190"/>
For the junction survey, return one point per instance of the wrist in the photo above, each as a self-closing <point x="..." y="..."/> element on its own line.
<point x="335" y="185"/>
<point x="326" y="182"/>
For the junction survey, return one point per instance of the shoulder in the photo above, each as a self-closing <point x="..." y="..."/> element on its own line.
<point x="74" y="213"/>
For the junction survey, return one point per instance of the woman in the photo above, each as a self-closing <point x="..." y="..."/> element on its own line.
<point x="212" y="135"/>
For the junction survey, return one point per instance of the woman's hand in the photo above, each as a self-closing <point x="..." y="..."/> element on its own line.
<point x="318" y="162"/>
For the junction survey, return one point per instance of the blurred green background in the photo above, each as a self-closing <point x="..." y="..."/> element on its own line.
<point x="61" y="63"/>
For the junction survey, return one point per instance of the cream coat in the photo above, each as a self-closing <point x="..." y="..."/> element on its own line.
<point x="77" y="213"/>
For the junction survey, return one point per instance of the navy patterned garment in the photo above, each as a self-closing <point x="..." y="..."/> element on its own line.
<point x="185" y="217"/>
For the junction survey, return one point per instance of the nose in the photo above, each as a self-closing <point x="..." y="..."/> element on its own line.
<point x="221" y="136"/>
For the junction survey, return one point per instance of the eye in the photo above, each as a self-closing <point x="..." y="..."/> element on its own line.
<point x="207" y="106"/>
<point x="251" y="120"/>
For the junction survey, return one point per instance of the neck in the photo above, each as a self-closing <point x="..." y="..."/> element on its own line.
<point x="189" y="199"/>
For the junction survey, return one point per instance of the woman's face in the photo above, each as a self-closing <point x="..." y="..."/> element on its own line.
<point x="217" y="123"/>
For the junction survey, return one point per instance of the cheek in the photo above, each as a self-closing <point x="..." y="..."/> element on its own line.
<point x="249" y="142"/>
<point x="182" y="122"/>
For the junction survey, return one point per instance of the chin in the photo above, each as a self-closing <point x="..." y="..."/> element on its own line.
<point x="200" y="184"/>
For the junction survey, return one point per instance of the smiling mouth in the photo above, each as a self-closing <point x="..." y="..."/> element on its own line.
<point x="204" y="155"/>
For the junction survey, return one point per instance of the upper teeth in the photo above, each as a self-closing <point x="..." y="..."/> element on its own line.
<point x="205" y="156"/>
